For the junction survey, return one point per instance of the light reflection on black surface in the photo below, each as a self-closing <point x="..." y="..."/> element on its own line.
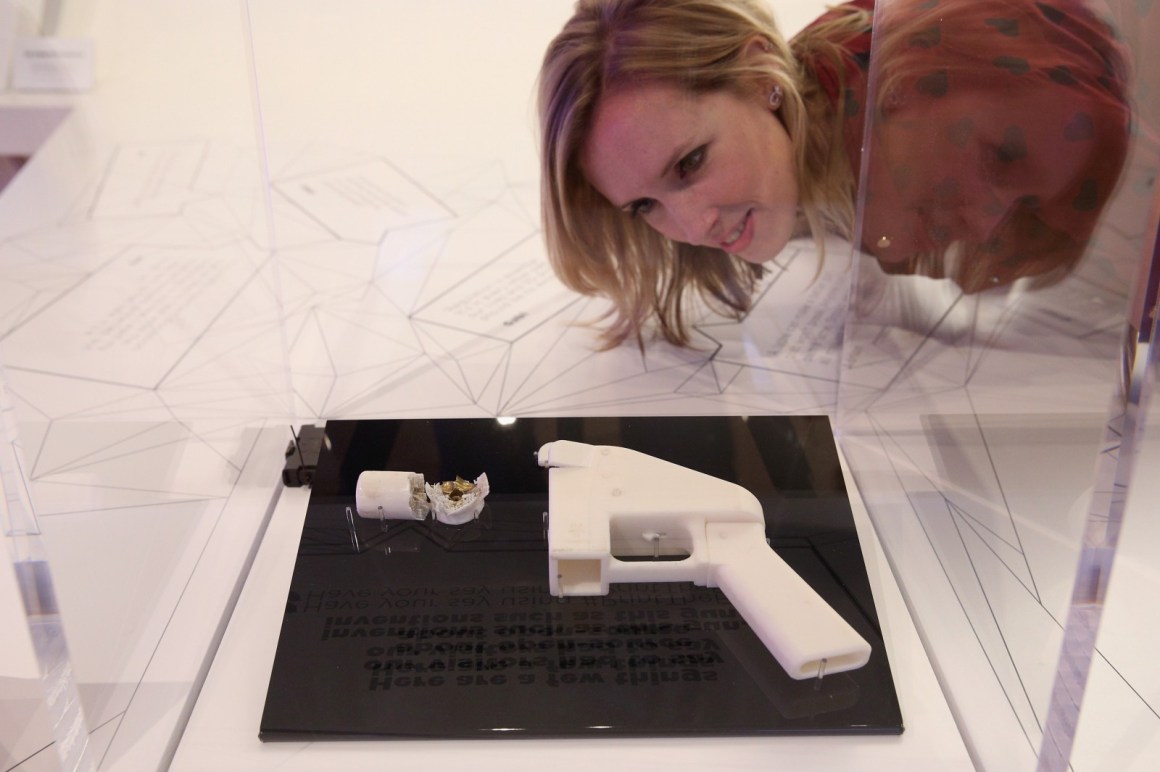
<point x="429" y="630"/>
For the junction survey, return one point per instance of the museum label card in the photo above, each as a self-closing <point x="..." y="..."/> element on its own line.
<point x="53" y="64"/>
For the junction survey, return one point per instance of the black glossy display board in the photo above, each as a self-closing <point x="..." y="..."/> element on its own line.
<point x="419" y="629"/>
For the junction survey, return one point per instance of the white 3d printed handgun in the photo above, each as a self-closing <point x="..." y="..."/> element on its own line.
<point x="606" y="501"/>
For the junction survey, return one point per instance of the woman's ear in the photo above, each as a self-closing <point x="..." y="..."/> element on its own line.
<point x="758" y="49"/>
<point x="758" y="55"/>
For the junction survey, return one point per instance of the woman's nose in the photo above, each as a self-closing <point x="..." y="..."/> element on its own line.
<point x="693" y="219"/>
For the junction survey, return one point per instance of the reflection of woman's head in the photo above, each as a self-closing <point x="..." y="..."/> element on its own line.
<point x="694" y="47"/>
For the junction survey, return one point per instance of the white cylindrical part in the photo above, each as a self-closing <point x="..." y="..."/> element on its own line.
<point x="390" y="495"/>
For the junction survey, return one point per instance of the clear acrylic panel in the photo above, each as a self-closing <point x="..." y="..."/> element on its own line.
<point x="40" y="699"/>
<point x="993" y="379"/>
<point x="141" y="338"/>
<point x="1115" y="723"/>
<point x="1114" y="726"/>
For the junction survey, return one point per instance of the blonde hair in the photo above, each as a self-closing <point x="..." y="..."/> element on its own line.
<point x="698" y="45"/>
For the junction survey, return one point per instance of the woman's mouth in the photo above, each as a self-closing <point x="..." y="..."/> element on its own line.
<point x="740" y="236"/>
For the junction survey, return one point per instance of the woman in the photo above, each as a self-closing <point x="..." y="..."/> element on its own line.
<point x="678" y="133"/>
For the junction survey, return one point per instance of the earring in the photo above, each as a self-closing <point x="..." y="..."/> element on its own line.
<point x="775" y="95"/>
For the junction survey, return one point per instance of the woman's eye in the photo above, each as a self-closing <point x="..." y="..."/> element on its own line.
<point x="641" y="207"/>
<point x="691" y="162"/>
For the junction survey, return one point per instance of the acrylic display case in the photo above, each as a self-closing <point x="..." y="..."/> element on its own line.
<point x="416" y="286"/>
<point x="273" y="213"/>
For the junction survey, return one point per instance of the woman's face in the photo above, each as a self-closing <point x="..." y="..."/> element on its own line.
<point x="711" y="169"/>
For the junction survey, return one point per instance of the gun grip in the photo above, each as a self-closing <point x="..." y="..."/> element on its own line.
<point x="806" y="636"/>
